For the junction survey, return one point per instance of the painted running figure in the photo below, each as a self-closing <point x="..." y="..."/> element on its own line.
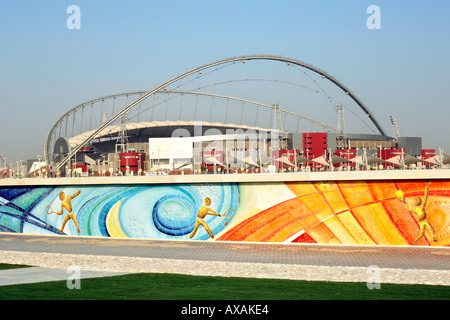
<point x="418" y="210"/>
<point x="202" y="213"/>
<point x="66" y="203"/>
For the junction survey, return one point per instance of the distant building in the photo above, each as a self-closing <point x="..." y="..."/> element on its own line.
<point x="315" y="144"/>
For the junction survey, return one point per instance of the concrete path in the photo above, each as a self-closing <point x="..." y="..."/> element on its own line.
<point x="405" y="264"/>
<point x="39" y="274"/>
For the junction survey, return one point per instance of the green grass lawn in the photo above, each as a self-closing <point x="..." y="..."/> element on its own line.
<point x="5" y="266"/>
<point x="183" y="287"/>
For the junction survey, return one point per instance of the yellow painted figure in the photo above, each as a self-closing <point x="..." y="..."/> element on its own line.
<point x="202" y="213"/>
<point x="66" y="203"/>
<point x="419" y="212"/>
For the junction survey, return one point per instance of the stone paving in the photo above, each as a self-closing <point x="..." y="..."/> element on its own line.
<point x="406" y="265"/>
<point x="42" y="274"/>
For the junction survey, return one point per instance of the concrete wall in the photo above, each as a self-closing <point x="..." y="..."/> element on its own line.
<point x="412" y="145"/>
<point x="326" y="207"/>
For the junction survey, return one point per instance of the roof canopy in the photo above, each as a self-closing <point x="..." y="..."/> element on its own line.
<point x="158" y="127"/>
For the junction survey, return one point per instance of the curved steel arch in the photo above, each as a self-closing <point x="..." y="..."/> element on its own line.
<point x="75" y="109"/>
<point x="204" y="94"/>
<point x="212" y="95"/>
<point x="314" y="69"/>
<point x="220" y="62"/>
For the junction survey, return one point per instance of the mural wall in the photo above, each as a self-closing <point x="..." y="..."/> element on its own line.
<point x="346" y="212"/>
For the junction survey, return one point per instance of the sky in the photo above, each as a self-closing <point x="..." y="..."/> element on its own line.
<point x="401" y="69"/>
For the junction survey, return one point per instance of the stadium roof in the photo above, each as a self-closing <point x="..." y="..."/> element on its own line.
<point x="157" y="129"/>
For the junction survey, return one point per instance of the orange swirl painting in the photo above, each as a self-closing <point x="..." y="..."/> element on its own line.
<point x="345" y="212"/>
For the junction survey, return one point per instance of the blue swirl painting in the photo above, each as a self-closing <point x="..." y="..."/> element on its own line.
<point x="138" y="211"/>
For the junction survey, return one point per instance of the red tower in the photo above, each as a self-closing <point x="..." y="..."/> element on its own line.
<point x="315" y="144"/>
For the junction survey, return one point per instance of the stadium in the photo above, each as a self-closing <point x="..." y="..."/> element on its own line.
<point x="248" y="114"/>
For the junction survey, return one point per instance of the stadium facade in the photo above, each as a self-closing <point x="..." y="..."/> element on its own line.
<point x="199" y="147"/>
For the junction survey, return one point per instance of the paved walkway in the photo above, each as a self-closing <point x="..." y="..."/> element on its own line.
<point x="40" y="274"/>
<point x="107" y="256"/>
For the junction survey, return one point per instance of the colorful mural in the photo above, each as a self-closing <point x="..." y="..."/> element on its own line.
<point x="344" y="212"/>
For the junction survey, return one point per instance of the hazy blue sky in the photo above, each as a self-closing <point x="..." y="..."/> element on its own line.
<point x="401" y="69"/>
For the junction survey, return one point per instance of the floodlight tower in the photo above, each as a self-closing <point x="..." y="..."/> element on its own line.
<point x="395" y="128"/>
<point x="340" y="134"/>
<point x="122" y="139"/>
<point x="277" y="129"/>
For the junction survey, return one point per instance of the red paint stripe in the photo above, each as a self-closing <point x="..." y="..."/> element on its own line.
<point x="304" y="238"/>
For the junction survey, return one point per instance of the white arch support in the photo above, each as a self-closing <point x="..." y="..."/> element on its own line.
<point x="220" y="62"/>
